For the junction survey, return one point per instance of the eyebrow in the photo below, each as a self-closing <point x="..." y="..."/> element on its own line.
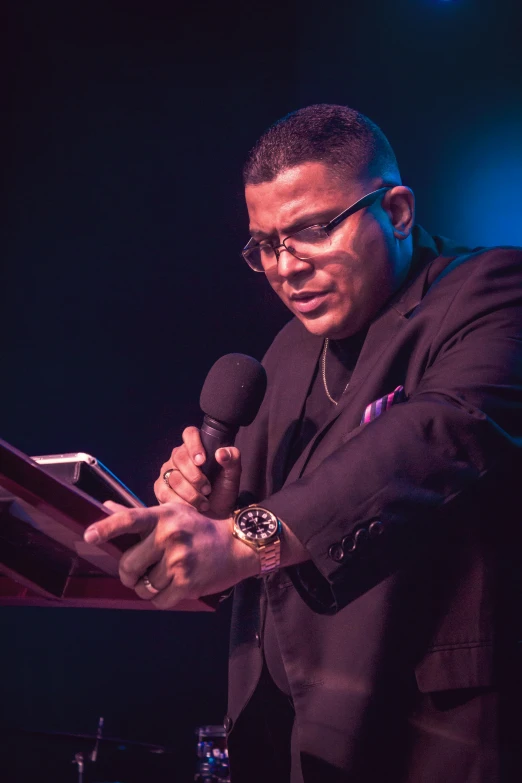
<point x="312" y="219"/>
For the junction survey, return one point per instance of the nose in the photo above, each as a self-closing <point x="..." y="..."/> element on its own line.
<point x="289" y="266"/>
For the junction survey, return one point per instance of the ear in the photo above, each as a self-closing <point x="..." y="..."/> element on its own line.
<point x="399" y="204"/>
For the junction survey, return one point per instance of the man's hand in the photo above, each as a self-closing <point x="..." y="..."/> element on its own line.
<point x="187" y="483"/>
<point x="184" y="554"/>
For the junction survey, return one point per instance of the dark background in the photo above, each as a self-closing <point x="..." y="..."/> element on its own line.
<point x="126" y="124"/>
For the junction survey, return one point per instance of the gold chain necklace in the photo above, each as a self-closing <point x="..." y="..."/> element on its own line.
<point x="323" y="367"/>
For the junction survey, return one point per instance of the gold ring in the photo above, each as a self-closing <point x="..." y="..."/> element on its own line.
<point x="149" y="586"/>
<point x="166" y="476"/>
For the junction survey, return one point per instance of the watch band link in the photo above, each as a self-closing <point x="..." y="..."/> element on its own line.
<point x="270" y="557"/>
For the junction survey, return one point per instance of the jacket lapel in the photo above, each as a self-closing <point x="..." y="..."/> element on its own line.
<point x="380" y="334"/>
<point x="290" y="391"/>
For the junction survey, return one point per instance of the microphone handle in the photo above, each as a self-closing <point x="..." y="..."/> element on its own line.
<point x="214" y="435"/>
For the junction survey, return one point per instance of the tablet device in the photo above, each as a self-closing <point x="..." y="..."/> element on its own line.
<point x="90" y="475"/>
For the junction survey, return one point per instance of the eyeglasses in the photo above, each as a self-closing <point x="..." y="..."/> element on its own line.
<point x="308" y="242"/>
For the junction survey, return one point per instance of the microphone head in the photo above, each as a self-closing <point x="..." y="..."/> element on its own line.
<point x="234" y="389"/>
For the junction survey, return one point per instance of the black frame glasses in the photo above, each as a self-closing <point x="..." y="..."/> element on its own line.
<point x="251" y="251"/>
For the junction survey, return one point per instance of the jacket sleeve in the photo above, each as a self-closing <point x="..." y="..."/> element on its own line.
<point x="385" y="489"/>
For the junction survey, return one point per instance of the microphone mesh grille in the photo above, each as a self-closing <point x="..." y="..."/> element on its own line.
<point x="234" y="389"/>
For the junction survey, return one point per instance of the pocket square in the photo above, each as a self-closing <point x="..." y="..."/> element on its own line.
<point x="377" y="407"/>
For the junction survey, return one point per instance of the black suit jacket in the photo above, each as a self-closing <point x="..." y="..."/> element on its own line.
<point x="424" y="600"/>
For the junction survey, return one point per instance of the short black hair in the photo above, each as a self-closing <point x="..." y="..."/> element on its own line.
<point x="337" y="136"/>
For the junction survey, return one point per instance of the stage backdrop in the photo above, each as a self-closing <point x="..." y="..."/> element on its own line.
<point x="127" y="125"/>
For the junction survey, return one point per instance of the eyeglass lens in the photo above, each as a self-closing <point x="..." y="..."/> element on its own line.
<point x="303" y="244"/>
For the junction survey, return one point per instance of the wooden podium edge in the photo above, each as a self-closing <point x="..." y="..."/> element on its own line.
<point x="87" y="596"/>
<point x="72" y="509"/>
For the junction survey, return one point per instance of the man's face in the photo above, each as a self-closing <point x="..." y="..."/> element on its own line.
<point x="339" y="292"/>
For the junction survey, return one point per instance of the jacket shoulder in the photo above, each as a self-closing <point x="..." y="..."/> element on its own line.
<point x="483" y="258"/>
<point x="484" y="270"/>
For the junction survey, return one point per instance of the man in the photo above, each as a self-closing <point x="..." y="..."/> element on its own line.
<point x="380" y="643"/>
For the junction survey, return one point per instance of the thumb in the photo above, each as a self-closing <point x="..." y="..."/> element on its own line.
<point x="225" y="486"/>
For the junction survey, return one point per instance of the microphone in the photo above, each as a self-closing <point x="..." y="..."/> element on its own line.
<point x="230" y="398"/>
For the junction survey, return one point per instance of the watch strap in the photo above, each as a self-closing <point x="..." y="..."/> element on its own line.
<point x="270" y="557"/>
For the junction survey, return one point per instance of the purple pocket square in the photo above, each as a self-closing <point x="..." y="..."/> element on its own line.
<point x="377" y="407"/>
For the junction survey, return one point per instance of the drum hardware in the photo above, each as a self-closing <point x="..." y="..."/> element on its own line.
<point x="99" y="751"/>
<point x="212" y="764"/>
<point x="212" y="755"/>
<point x="99" y="732"/>
<point x="79" y="761"/>
<point x="93" y="755"/>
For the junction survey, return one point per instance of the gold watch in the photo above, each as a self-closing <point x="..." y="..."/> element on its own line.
<point x="259" y="529"/>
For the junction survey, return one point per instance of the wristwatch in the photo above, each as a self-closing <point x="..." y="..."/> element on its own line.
<point x="259" y="529"/>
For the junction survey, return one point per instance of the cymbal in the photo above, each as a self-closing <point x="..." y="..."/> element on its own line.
<point x="119" y="741"/>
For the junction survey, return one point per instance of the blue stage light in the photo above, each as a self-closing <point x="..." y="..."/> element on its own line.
<point x="484" y="182"/>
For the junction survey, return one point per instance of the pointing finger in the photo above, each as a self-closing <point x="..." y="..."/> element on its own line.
<point x="135" y="520"/>
<point x="114" y="507"/>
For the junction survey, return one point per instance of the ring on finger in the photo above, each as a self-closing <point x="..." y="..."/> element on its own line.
<point x="149" y="586"/>
<point x="166" y="475"/>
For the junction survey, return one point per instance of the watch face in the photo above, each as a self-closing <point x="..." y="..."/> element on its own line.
<point x="256" y="524"/>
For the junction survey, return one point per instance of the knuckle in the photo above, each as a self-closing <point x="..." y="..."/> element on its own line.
<point x="163" y="494"/>
<point x="182" y="483"/>
<point x="164" y="530"/>
<point x="116" y="524"/>
<point x="182" y="461"/>
<point x="127" y="575"/>
<point x="131" y="516"/>
<point x="232" y="473"/>
<point x="173" y="459"/>
<point x="180" y="494"/>
<point x="196" y="499"/>
<point x="228" y="482"/>
<point x="189" y="435"/>
<point x="199" y="480"/>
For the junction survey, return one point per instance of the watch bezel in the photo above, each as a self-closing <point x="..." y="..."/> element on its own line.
<point x="256" y="543"/>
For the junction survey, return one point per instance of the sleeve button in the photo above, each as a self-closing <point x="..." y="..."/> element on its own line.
<point x="376" y="528"/>
<point x="360" y="536"/>
<point x="336" y="553"/>
<point x="348" y="544"/>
